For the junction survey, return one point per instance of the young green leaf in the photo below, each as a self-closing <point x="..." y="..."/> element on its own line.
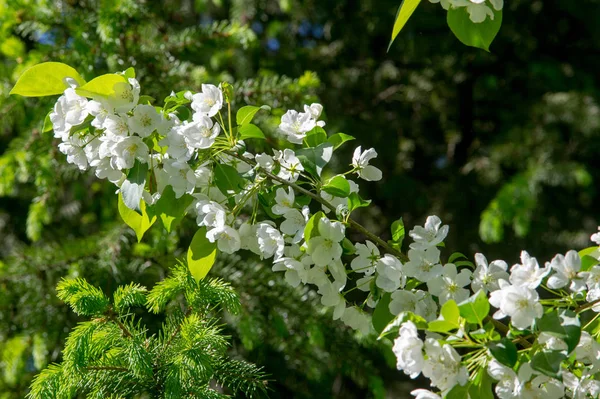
<point x="382" y="315"/>
<point x="201" y="254"/>
<point x="403" y="317"/>
<point x="47" y="123"/>
<point x="315" y="137"/>
<point x="133" y="187"/>
<point x="337" y="186"/>
<point x="338" y="139"/>
<point x="548" y="362"/>
<point x="354" y="202"/>
<point x="406" y="9"/>
<point x="129" y="73"/>
<point x="314" y="159"/>
<point x="458" y="392"/>
<point x="250" y="131"/>
<point x="455" y="256"/>
<point x="398" y="231"/>
<point x="504" y="351"/>
<point x="246" y="113"/>
<point x="171" y="209"/>
<point x="448" y="320"/>
<point x="312" y="226"/>
<point x="103" y="85"/>
<point x="227" y="179"/>
<point x="45" y="79"/>
<point x="475" y="308"/>
<point x="139" y="223"/>
<point x="563" y="324"/>
<point x="587" y="260"/>
<point x="472" y="34"/>
<point x="481" y="386"/>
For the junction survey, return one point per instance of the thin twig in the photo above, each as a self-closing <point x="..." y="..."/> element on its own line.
<point x="353" y="223"/>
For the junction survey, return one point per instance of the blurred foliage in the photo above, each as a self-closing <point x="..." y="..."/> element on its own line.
<point x="502" y="146"/>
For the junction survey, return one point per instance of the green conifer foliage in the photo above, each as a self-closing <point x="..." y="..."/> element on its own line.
<point x="115" y="355"/>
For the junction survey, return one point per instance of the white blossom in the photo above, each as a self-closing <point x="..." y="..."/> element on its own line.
<point x="284" y="201"/>
<point x="430" y="235"/>
<point x="443" y="366"/>
<point x="325" y="248"/>
<point x="596" y="237"/>
<point x="520" y="303"/>
<point x="69" y="110"/>
<point x="424" y="394"/>
<point x="449" y="285"/>
<point x="265" y="161"/>
<point x="180" y="177"/>
<point x="423" y="264"/>
<point x="528" y="273"/>
<point x="209" y="101"/>
<point x="296" y="124"/>
<point x="227" y="238"/>
<point x="290" y="165"/>
<point x="356" y="319"/>
<point x="126" y="96"/>
<point x="294" y="223"/>
<point x="566" y="269"/>
<point x="200" y="133"/>
<point x="581" y="388"/>
<point x="210" y="214"/>
<point x="389" y="273"/>
<point x="270" y="241"/>
<point x="588" y="349"/>
<point x="367" y="256"/>
<point x="360" y="161"/>
<point x="408" y="349"/>
<point x="126" y="151"/>
<point x="145" y="120"/>
<point x="486" y="276"/>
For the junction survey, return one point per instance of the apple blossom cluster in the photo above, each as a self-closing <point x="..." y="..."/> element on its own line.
<point x="478" y="10"/>
<point x="529" y="330"/>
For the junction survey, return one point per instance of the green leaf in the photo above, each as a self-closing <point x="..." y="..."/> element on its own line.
<point x="314" y="159"/>
<point x="458" y="392"/>
<point x="403" y="317"/>
<point x="47" y="123"/>
<point x="563" y="324"/>
<point x="448" y="320"/>
<point x="129" y="73"/>
<point x="171" y="209"/>
<point x="450" y="312"/>
<point x="398" y="231"/>
<point x="354" y="202"/>
<point x="45" y="79"/>
<point x="382" y="315"/>
<point x="146" y="100"/>
<point x="481" y="386"/>
<point x="315" y="137"/>
<point x="504" y="351"/>
<point x="406" y="9"/>
<point x="337" y="186"/>
<point x="102" y="85"/>
<point x="139" y="223"/>
<point x="476" y="308"/>
<point x="441" y="326"/>
<point x="587" y="260"/>
<point x="548" y="362"/>
<point x="478" y="35"/>
<point x="246" y="113"/>
<point x="455" y="256"/>
<point x="338" y="139"/>
<point x="227" y="179"/>
<point x="201" y="254"/>
<point x="250" y="131"/>
<point x="133" y="187"/>
<point x="312" y="226"/>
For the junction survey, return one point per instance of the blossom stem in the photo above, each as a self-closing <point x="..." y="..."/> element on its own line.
<point x="587" y="306"/>
<point x="353" y="224"/>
